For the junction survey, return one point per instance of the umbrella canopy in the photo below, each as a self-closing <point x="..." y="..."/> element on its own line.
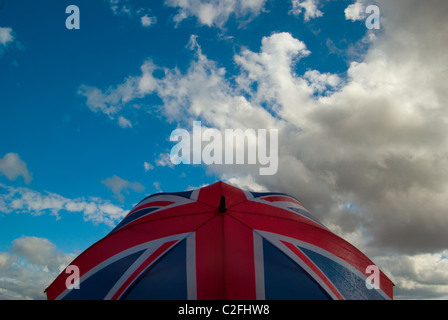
<point x="220" y="242"/>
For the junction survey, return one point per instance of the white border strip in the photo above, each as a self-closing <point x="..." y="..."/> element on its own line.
<point x="259" y="267"/>
<point x="191" y="267"/>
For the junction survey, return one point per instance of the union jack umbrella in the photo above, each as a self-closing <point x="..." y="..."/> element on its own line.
<point x="217" y="243"/>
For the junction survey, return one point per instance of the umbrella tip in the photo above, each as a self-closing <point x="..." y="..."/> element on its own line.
<point x="222" y="204"/>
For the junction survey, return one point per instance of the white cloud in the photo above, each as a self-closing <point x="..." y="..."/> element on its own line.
<point x="124" y="123"/>
<point x="113" y="100"/>
<point x="148" y="21"/>
<point x="164" y="160"/>
<point x="29" y="267"/>
<point x="98" y="101"/>
<point x="120" y="7"/>
<point x="309" y="7"/>
<point x="420" y="276"/>
<point x="147" y="166"/>
<point x="120" y="186"/>
<point x="24" y="200"/>
<point x="215" y="13"/>
<point x="322" y="82"/>
<point x="13" y="167"/>
<point x="244" y="182"/>
<point x="156" y="185"/>
<point x="39" y="251"/>
<point x="128" y="8"/>
<point x="355" y="11"/>
<point x="6" y="36"/>
<point x="277" y="85"/>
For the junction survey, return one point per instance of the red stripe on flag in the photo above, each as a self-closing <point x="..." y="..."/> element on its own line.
<point x="209" y="260"/>
<point x="225" y="267"/>
<point x="239" y="270"/>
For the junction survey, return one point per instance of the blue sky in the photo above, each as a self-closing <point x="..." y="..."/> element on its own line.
<point x="86" y="115"/>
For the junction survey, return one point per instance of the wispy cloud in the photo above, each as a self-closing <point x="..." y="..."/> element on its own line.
<point x="147" y="166"/>
<point x="124" y="123"/>
<point x="120" y="187"/>
<point x="148" y="21"/>
<point x="156" y="185"/>
<point x="25" y="200"/>
<point x="215" y="13"/>
<point x="164" y="160"/>
<point x="6" y="36"/>
<point x="127" y="8"/>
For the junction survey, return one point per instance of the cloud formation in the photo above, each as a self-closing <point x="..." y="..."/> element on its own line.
<point x="25" y="200"/>
<point x="127" y="8"/>
<point x="6" y="36"/>
<point x="420" y="276"/>
<point x="13" y="167"/>
<point x="215" y="13"/>
<point x="148" y="21"/>
<point x="355" y="11"/>
<point x="29" y="266"/>
<point x="308" y="7"/>
<point x="120" y="187"/>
